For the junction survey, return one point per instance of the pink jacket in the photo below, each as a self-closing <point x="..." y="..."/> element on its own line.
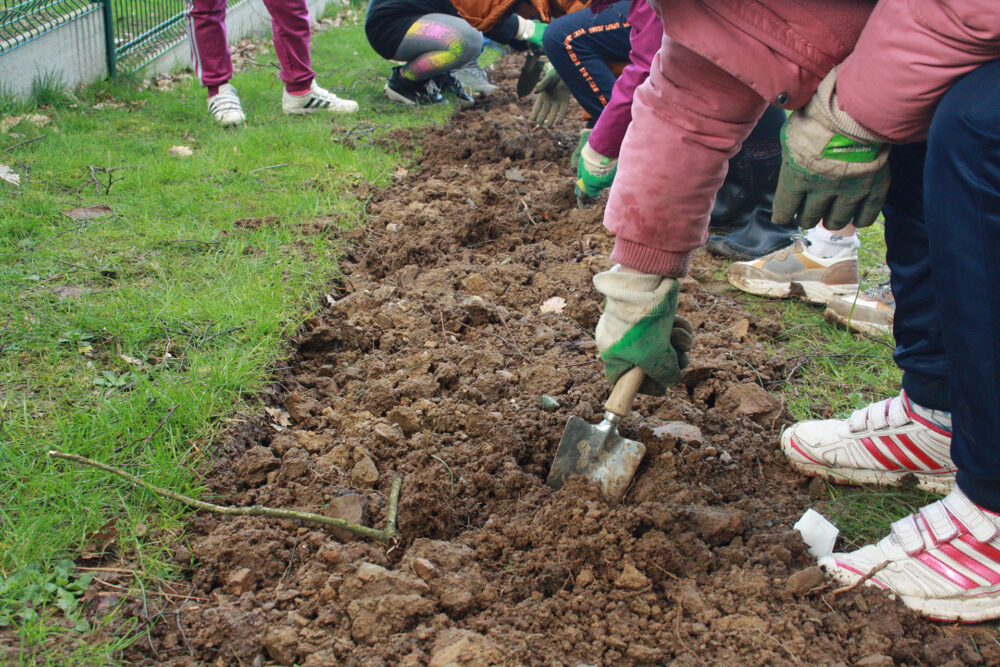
<point x="722" y="61"/>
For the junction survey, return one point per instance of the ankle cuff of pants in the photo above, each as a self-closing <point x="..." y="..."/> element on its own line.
<point x="983" y="492"/>
<point x="926" y="391"/>
<point x="299" y="87"/>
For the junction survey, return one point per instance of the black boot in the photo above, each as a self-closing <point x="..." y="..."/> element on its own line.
<point x="405" y="91"/>
<point x="449" y="85"/>
<point x="743" y="208"/>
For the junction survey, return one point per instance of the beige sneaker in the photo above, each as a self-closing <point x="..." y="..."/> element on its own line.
<point x="793" y="271"/>
<point x="870" y="313"/>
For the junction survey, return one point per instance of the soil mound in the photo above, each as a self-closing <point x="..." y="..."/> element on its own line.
<point x="467" y="298"/>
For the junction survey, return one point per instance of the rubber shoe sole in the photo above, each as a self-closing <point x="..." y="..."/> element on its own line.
<point x="811" y="291"/>
<point x="941" y="483"/>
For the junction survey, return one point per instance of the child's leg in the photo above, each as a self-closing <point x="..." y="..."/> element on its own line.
<point x="290" y="23"/>
<point x="206" y="21"/>
<point x="435" y="44"/>
<point x="580" y="46"/>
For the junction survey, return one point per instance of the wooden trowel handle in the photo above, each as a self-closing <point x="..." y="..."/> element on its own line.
<point x="620" y="400"/>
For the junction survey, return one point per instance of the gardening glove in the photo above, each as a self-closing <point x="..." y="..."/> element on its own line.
<point x="574" y="158"/>
<point x="594" y="173"/>
<point x="640" y="327"/>
<point x="551" y="101"/>
<point x="531" y="33"/>
<point x="832" y="169"/>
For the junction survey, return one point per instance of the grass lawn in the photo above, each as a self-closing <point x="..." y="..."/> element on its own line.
<point x="134" y="336"/>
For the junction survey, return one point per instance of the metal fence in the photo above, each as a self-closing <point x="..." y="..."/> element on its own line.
<point x="24" y="20"/>
<point x="136" y="31"/>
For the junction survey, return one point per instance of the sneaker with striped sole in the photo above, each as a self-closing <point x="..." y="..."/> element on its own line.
<point x="317" y="99"/>
<point x="880" y="444"/>
<point x="943" y="561"/>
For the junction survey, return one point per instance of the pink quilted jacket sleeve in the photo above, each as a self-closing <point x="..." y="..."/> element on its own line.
<point x="909" y="54"/>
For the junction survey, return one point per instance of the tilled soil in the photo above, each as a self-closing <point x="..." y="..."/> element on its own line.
<point x="467" y="298"/>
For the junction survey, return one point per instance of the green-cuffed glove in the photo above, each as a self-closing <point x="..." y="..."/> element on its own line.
<point x="531" y="32"/>
<point x="832" y="168"/>
<point x="640" y="327"/>
<point x="594" y="173"/>
<point x="551" y="101"/>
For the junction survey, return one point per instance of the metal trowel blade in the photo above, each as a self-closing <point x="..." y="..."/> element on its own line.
<point x="599" y="453"/>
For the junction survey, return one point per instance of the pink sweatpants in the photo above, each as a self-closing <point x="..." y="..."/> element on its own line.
<point x="210" y="50"/>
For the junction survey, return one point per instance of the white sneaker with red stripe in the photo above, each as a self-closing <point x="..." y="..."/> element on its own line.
<point x="943" y="561"/>
<point x="880" y="444"/>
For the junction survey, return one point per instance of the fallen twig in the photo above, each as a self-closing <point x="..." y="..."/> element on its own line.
<point x="25" y="142"/>
<point x="384" y="535"/>
<point x="270" y="166"/>
<point x="863" y="579"/>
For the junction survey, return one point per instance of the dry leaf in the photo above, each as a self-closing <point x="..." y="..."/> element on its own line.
<point x="330" y="300"/>
<point x="554" y="305"/>
<point x="280" y="418"/>
<point x="740" y="329"/>
<point x="88" y="212"/>
<point x="180" y="151"/>
<point x="36" y="119"/>
<point x="132" y="361"/>
<point x="401" y="173"/>
<point x="9" y="175"/>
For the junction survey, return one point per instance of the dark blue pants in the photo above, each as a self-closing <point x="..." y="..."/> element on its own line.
<point x="580" y="46"/>
<point x="942" y="233"/>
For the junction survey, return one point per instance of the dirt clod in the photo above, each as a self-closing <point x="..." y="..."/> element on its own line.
<point x="805" y="580"/>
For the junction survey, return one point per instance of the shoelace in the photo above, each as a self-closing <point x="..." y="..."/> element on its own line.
<point x="941" y="522"/>
<point x="881" y="292"/>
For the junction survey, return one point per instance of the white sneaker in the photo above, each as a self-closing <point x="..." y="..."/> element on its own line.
<point x="880" y="444"/>
<point x="794" y="270"/>
<point x="475" y="79"/>
<point x="943" y="561"/>
<point x="317" y="99"/>
<point x="871" y="312"/>
<point x="225" y="106"/>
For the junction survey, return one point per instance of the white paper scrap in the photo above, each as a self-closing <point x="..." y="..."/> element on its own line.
<point x="819" y="534"/>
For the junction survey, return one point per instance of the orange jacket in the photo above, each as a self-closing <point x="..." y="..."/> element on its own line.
<point x="484" y="14"/>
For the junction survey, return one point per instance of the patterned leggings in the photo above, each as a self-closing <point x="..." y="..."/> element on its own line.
<point x="435" y="44"/>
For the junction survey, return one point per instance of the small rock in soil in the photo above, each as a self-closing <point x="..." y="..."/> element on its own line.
<point x="425" y="569"/>
<point x="877" y="660"/>
<point x="389" y="433"/>
<point x="805" y="580"/>
<point x="364" y="473"/>
<point x="682" y="432"/>
<point x="256" y="463"/>
<point x="716" y="525"/>
<point x="462" y="648"/>
<point x="282" y="645"/>
<point x="631" y="578"/>
<point x="750" y="400"/>
<point x="240" y="581"/>
<point x="549" y="403"/>
<point x="349" y="507"/>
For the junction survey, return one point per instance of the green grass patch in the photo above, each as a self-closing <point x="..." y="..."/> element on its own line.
<point x="832" y="373"/>
<point x="132" y="336"/>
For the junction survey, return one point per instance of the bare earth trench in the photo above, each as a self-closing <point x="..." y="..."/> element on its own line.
<point x="430" y="365"/>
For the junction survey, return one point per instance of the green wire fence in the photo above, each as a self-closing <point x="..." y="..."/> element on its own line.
<point x="135" y="31"/>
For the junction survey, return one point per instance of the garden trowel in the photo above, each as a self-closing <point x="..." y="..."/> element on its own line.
<point x="531" y="73"/>
<point x="597" y="451"/>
